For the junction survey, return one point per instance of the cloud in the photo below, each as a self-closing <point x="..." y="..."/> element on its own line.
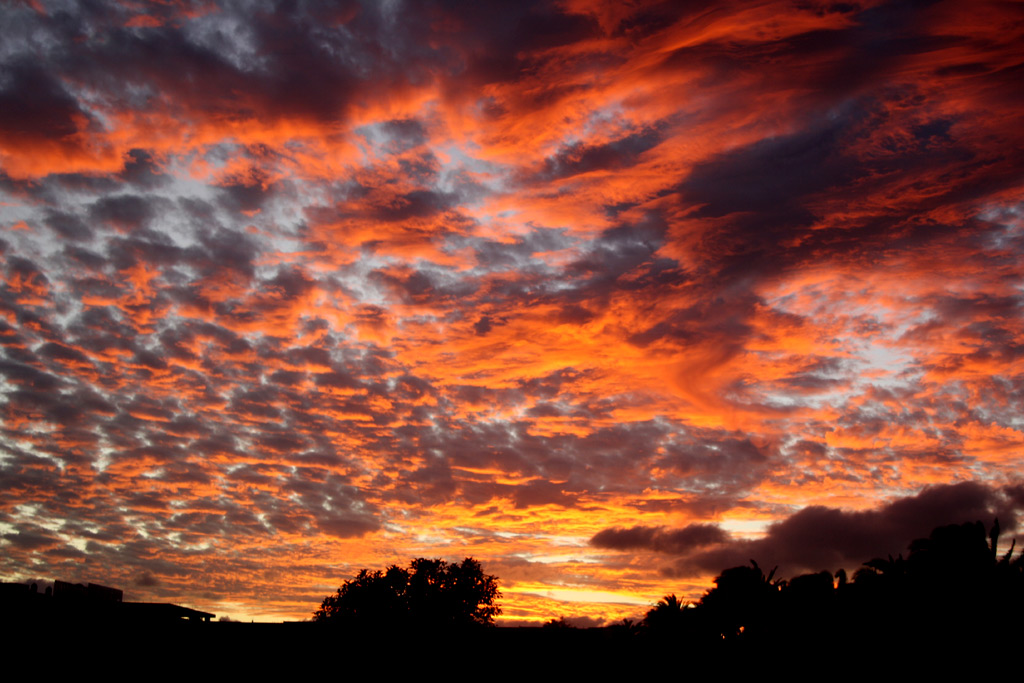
<point x="147" y="580"/>
<point x="36" y="108"/>
<point x="819" y="537"/>
<point x="286" y="284"/>
<point x="660" y="539"/>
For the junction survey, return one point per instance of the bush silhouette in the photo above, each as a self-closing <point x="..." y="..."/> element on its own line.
<point x="428" y="594"/>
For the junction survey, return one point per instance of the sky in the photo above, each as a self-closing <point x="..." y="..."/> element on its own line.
<point x="609" y="296"/>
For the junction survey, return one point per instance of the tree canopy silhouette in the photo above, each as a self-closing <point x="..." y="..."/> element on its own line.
<point x="427" y="594"/>
<point x="952" y="592"/>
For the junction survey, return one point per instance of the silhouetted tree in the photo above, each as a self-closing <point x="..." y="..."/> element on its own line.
<point x="950" y="591"/>
<point x="953" y="595"/>
<point x="667" y="615"/>
<point x="808" y="590"/>
<point x="627" y="628"/>
<point x="559" y="624"/>
<point x="807" y="602"/>
<point x="840" y="578"/>
<point x="742" y="600"/>
<point x="429" y="594"/>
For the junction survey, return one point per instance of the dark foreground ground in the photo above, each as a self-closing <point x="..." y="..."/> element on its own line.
<point x="306" y="650"/>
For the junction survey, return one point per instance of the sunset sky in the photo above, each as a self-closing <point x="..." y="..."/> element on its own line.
<point x="608" y="295"/>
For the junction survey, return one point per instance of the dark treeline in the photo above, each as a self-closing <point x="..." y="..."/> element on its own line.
<point x="953" y="600"/>
<point x="953" y="594"/>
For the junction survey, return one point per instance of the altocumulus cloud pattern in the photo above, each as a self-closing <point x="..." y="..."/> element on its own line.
<point x="605" y="295"/>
